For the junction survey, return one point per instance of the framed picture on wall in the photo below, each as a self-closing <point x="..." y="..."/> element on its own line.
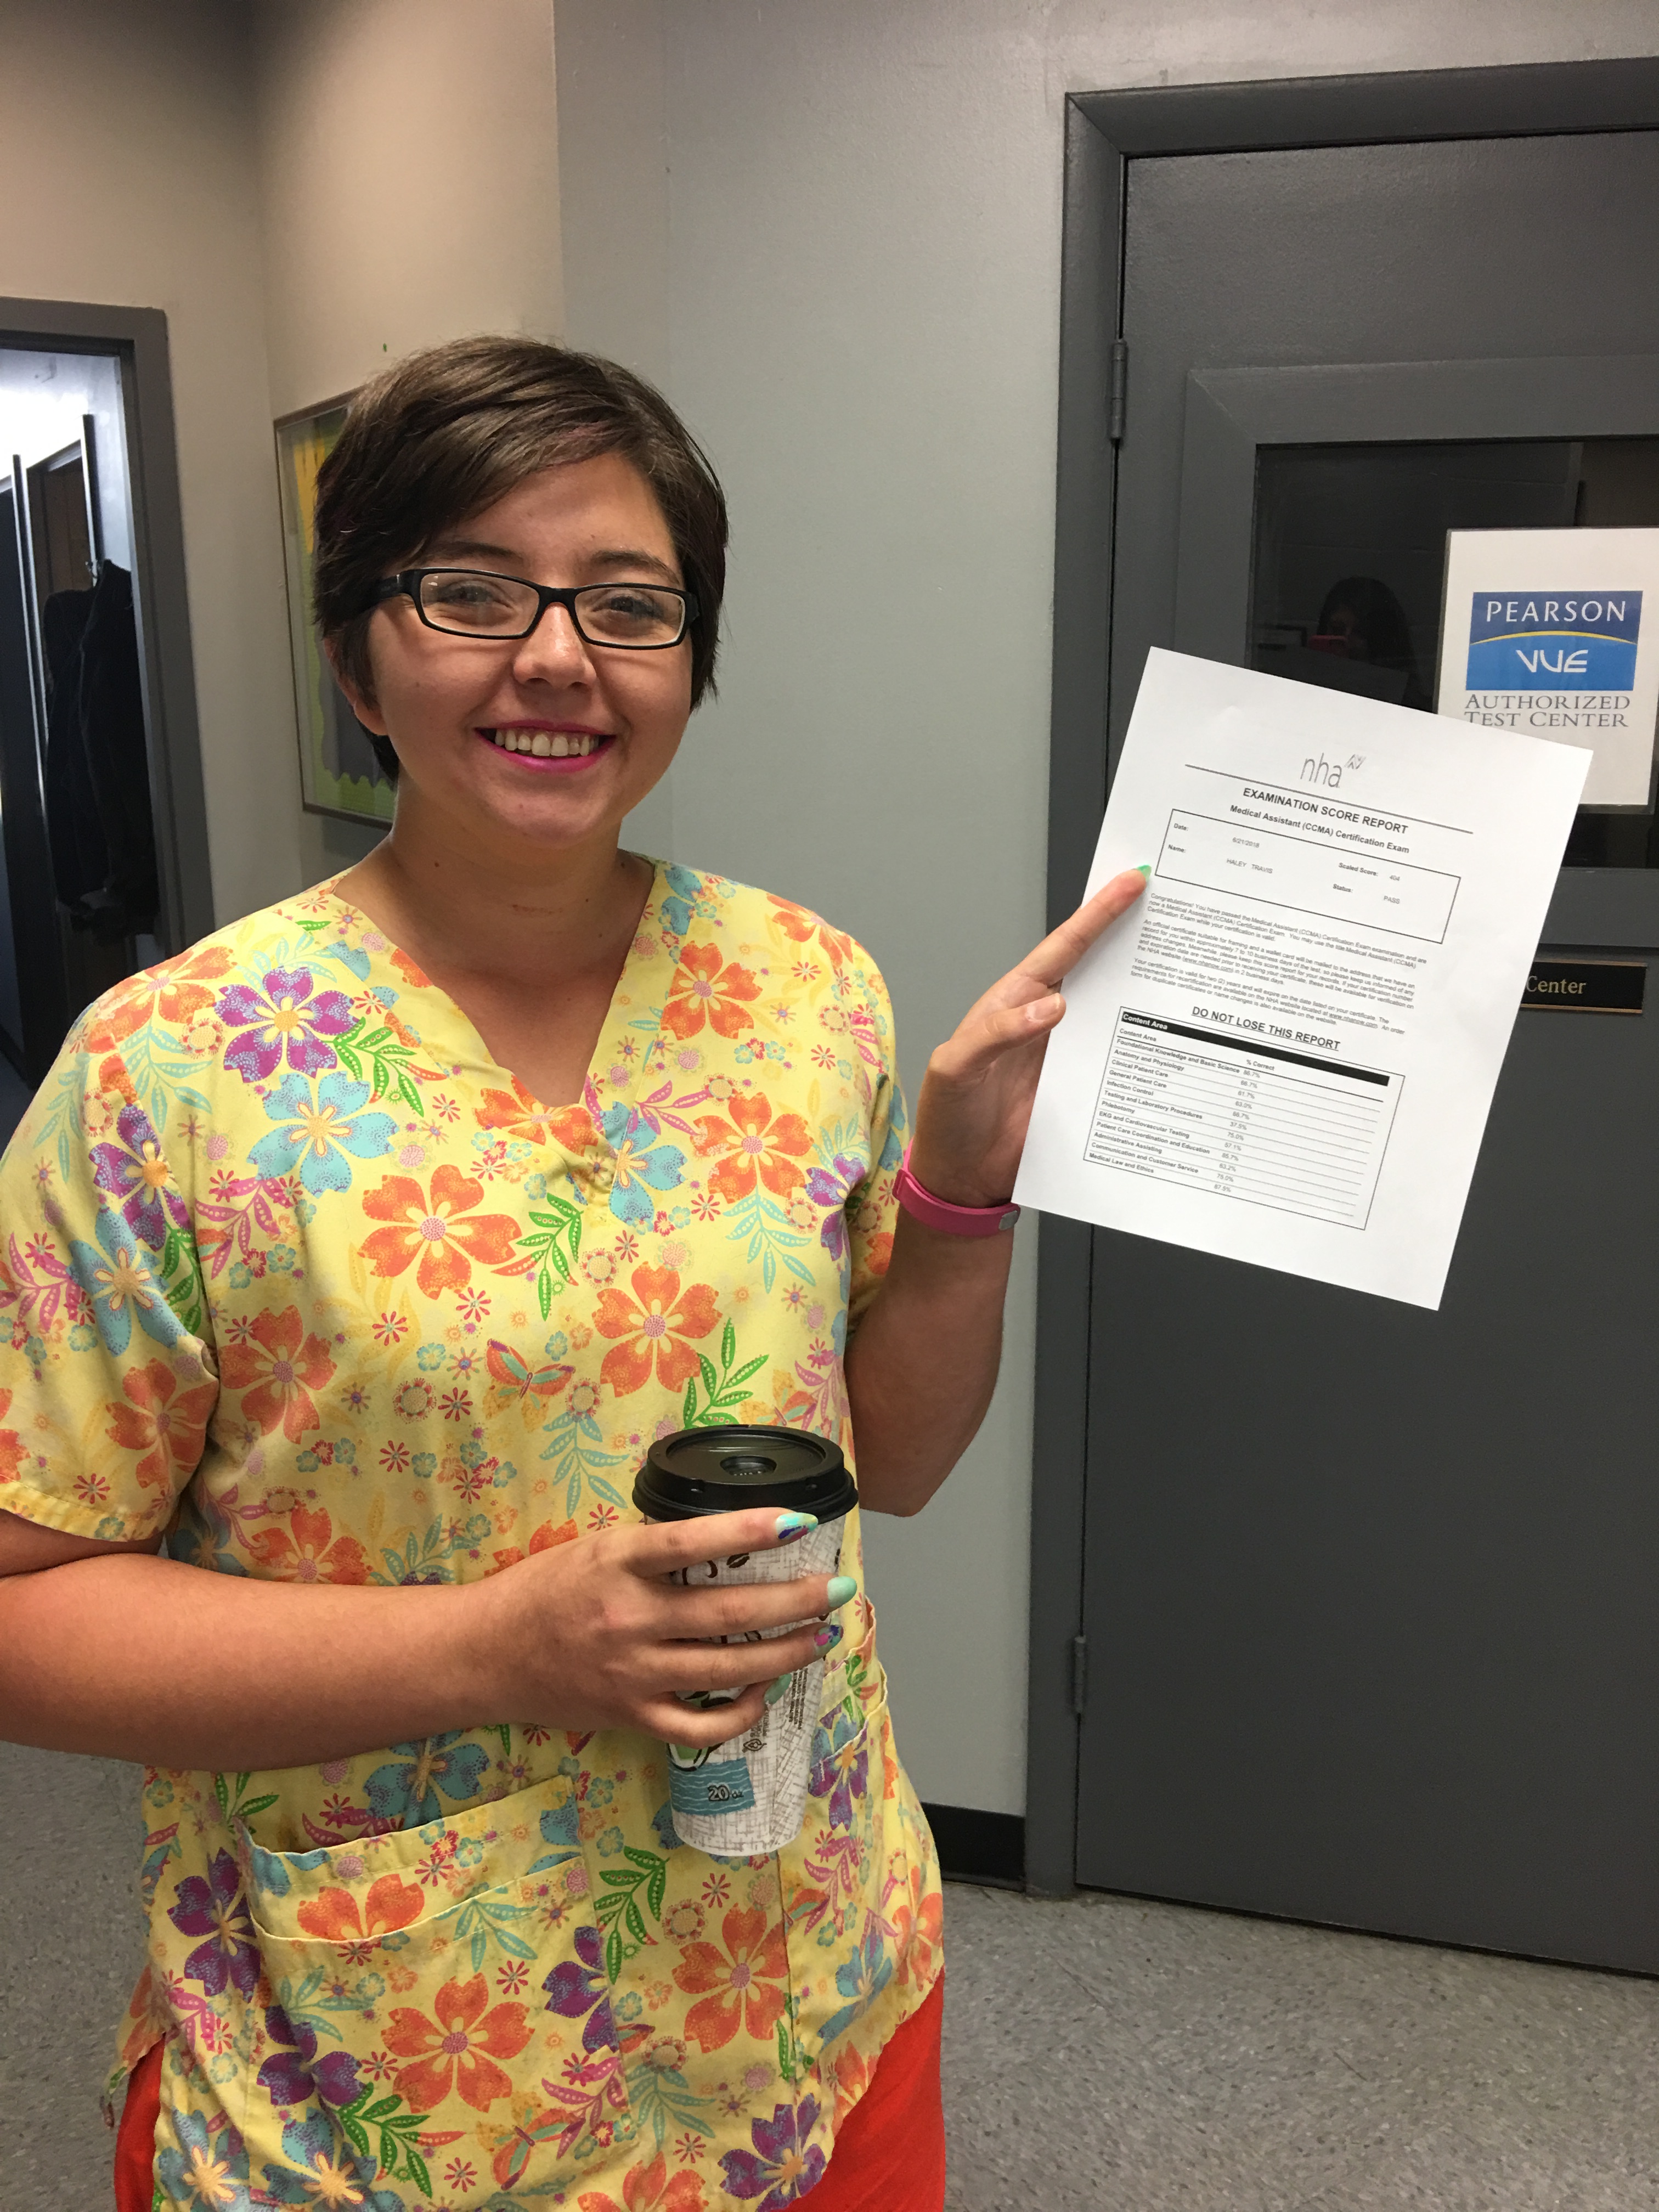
<point x="338" y="772"/>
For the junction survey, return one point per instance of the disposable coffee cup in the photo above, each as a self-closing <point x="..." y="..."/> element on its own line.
<point x="747" y="1797"/>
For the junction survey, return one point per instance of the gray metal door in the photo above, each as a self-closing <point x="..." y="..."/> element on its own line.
<point x="1371" y="1595"/>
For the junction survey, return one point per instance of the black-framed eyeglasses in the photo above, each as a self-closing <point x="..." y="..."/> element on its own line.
<point x="476" y="602"/>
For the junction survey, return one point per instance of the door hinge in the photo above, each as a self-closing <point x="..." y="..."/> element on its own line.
<point x="1079" y="1672"/>
<point x="1117" y="390"/>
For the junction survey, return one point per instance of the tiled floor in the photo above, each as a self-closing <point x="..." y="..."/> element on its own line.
<point x="1099" y="2054"/>
<point x="1110" y="2053"/>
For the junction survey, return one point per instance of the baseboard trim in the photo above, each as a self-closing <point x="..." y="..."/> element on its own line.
<point x="974" y="1846"/>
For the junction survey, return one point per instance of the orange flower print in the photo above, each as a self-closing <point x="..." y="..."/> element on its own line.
<point x="278" y="1372"/>
<point x="160" y="1421"/>
<point x="655" y="1326"/>
<point x="170" y="993"/>
<point x="541" y="1539"/>
<point x="852" y="2079"/>
<point x="457" y="2048"/>
<point x="918" y="1927"/>
<point x="308" y="1550"/>
<point x="738" y="1997"/>
<point x="11" y="1444"/>
<point x="703" y="991"/>
<point x="801" y="926"/>
<point x="334" y="1915"/>
<point x="445" y="1232"/>
<point x="649" y="2188"/>
<point x="755" y="1144"/>
<point x="516" y="1114"/>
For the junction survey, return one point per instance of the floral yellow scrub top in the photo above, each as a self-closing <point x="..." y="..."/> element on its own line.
<point x="291" y="1270"/>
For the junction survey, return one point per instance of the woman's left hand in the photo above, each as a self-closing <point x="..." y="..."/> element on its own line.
<point x="975" y="1101"/>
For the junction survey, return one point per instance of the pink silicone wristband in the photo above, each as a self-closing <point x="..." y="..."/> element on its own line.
<point x="951" y="1220"/>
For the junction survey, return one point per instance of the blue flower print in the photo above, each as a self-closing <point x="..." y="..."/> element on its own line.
<point x="315" y="1134"/>
<point x="407" y="1790"/>
<point x="119" y="1282"/>
<point x="863" y="1979"/>
<point x="352" y="957"/>
<point x="201" y="2172"/>
<point x="683" y="888"/>
<point x="560" y="1828"/>
<point x="330" y="2171"/>
<point x="641" y="1167"/>
<point x="269" y="1874"/>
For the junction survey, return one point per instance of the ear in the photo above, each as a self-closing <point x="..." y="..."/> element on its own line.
<point x="361" y="702"/>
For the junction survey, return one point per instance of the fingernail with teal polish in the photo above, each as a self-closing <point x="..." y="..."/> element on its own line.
<point x="776" y="1689"/>
<point x="1145" y="869"/>
<point x="827" y="1639"/>
<point x="790" y="1526"/>
<point x="842" y="1587"/>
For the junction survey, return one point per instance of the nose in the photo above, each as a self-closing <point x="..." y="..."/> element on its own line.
<point x="555" y="652"/>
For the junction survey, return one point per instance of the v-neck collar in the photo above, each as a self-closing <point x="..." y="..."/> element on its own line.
<point x="629" y="1039"/>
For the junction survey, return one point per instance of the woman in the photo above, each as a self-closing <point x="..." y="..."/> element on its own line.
<point x="362" y="1250"/>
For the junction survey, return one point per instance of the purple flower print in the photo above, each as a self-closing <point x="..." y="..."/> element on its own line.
<point x="829" y="1187"/>
<point x="293" y="2075"/>
<point x="784" y="2163"/>
<point x="578" y="1986"/>
<point x="840" y="1765"/>
<point x="214" y="1909"/>
<point x="286" y="1016"/>
<point x="136" y="1176"/>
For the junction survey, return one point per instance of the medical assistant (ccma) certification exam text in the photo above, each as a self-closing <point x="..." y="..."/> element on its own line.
<point x="1287" y="1051"/>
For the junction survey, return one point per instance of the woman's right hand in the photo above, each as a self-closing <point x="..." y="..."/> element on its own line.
<point x="593" y="1635"/>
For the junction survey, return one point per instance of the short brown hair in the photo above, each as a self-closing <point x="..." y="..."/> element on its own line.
<point x="452" y="428"/>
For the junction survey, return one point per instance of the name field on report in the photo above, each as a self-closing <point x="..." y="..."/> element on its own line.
<point x="1237" y="1117"/>
<point x="1308" y="875"/>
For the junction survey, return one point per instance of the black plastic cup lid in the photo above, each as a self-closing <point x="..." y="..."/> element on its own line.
<point x="727" y="1470"/>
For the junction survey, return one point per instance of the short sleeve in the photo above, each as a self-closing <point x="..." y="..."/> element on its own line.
<point x="107" y="1379"/>
<point x="872" y="1205"/>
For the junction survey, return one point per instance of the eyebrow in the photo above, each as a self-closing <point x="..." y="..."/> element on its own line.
<point x="609" y="558"/>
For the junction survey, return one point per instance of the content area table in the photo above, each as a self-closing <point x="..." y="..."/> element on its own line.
<point x="1270" y="1124"/>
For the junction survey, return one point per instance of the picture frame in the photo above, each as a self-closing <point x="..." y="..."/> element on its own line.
<point x="338" y="772"/>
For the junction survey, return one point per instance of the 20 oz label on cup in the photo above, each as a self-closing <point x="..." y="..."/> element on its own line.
<point x="717" y="1785"/>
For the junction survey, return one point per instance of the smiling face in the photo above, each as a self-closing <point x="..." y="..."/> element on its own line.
<point x="541" y="743"/>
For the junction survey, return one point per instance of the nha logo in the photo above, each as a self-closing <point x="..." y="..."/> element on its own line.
<point x="1329" y="773"/>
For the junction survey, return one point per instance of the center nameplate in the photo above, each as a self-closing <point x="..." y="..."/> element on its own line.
<point x="1587" y="986"/>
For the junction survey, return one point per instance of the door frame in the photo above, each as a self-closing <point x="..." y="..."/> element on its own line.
<point x="1104" y="132"/>
<point x="137" y="337"/>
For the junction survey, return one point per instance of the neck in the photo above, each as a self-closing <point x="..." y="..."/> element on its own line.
<point x="515" y="919"/>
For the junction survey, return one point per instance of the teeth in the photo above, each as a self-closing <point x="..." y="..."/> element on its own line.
<point x="544" y="744"/>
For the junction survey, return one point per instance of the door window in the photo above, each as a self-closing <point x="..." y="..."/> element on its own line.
<point x="1349" y="564"/>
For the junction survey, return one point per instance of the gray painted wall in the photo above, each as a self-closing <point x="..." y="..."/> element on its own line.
<point x="857" y="210"/>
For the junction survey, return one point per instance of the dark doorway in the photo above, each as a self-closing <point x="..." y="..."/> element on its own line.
<point x="1363" y="1594"/>
<point x="103" y="860"/>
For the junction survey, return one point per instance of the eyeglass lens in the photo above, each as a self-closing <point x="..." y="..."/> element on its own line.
<point x="475" y="604"/>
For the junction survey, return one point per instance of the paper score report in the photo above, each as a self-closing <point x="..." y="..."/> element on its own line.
<point x="1287" y="1051"/>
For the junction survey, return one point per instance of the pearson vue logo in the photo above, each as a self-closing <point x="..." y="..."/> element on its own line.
<point x="1562" y="641"/>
